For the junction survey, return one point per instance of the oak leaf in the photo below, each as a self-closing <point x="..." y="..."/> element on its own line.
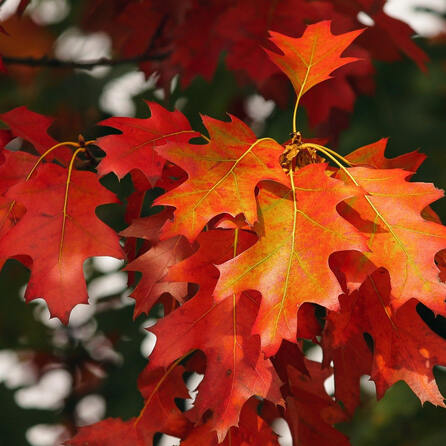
<point x="222" y="175"/>
<point x="405" y="348"/>
<point x="289" y="264"/>
<point x="154" y="265"/>
<point x="108" y="432"/>
<point x="344" y="346"/>
<point x="215" y="246"/>
<point x="33" y="127"/>
<point x="235" y="370"/>
<point x="310" y="59"/>
<point x="252" y="430"/>
<point x="160" y="414"/>
<point x="389" y="211"/>
<point x="373" y="155"/>
<point x="134" y="147"/>
<point x="310" y="411"/>
<point x="59" y="231"/>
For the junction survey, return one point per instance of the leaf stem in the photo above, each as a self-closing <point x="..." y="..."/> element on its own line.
<point x="334" y="159"/>
<point x="47" y="152"/>
<point x="66" y="143"/>
<point x="324" y="149"/>
<point x="65" y="203"/>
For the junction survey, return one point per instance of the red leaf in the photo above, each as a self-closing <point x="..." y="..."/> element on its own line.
<point x="33" y="128"/>
<point x="154" y="265"/>
<point x="311" y="413"/>
<point x="160" y="414"/>
<point x="216" y="246"/>
<point x="252" y="430"/>
<point x="108" y="432"/>
<point x="343" y="343"/>
<point x="134" y="148"/>
<point x="405" y="348"/>
<point x="59" y="241"/>
<point x="235" y="369"/>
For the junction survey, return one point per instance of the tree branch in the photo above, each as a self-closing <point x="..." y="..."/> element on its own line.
<point x="46" y="61"/>
<point x="86" y="65"/>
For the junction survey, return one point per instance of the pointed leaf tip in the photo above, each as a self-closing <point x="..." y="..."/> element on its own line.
<point x="310" y="59"/>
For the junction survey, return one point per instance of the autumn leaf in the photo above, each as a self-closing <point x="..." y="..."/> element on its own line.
<point x="160" y="414"/>
<point x="286" y="265"/>
<point x="252" y="430"/>
<point x="222" y="175"/>
<point x="215" y="246"/>
<point x="14" y="169"/>
<point x="154" y="265"/>
<point x="310" y="59"/>
<point x="107" y="432"/>
<point x="235" y="365"/>
<point x="235" y="369"/>
<point x="401" y="34"/>
<point x="373" y="155"/>
<point x="311" y="413"/>
<point x="390" y="213"/>
<point x="149" y="228"/>
<point x="134" y="147"/>
<point x="23" y="37"/>
<point x="33" y="127"/>
<point x="59" y="232"/>
<point x="344" y="346"/>
<point x="405" y="348"/>
<point x="159" y="388"/>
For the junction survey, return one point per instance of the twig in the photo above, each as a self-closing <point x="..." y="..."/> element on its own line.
<point x="46" y="61"/>
<point x="86" y="65"/>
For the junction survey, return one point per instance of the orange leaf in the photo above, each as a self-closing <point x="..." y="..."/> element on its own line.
<point x="400" y="239"/>
<point x="373" y="155"/>
<point x="222" y="175"/>
<point x="310" y="59"/>
<point x="289" y="264"/>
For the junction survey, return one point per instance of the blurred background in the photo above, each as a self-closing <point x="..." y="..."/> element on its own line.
<point x="54" y="377"/>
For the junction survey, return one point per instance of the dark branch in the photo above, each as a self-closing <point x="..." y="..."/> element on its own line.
<point x="90" y="64"/>
<point x="86" y="65"/>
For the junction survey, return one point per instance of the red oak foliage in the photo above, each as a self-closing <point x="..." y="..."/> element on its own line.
<point x="134" y="148"/>
<point x="253" y="236"/>
<point x="192" y="34"/>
